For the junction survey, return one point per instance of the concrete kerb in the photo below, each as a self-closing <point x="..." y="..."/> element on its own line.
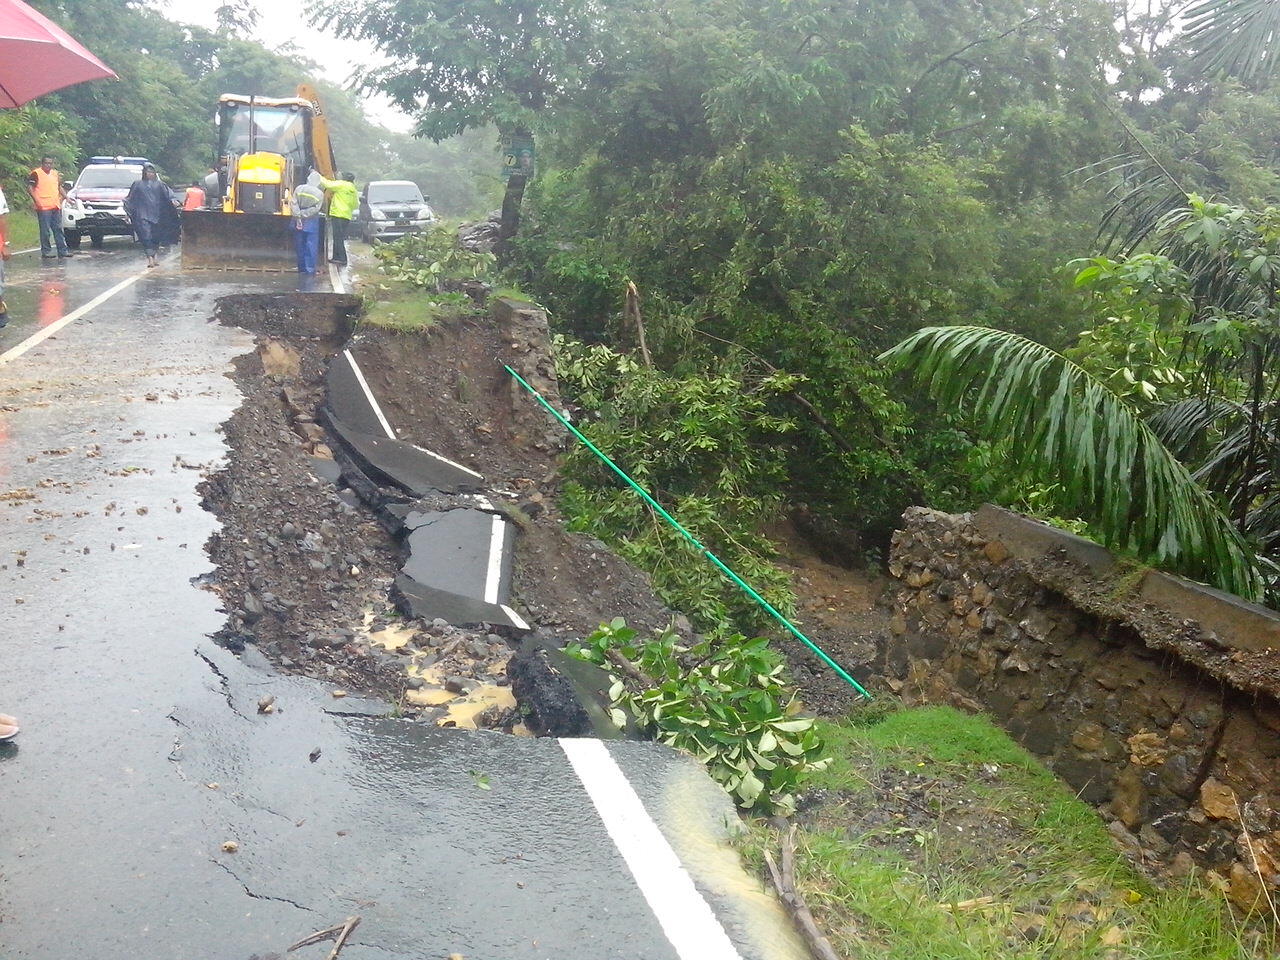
<point x="1228" y="621"/>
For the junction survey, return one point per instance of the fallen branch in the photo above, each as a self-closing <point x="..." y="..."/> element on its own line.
<point x="342" y="937"/>
<point x="339" y="930"/>
<point x="629" y="668"/>
<point x="784" y="882"/>
<point x="632" y="310"/>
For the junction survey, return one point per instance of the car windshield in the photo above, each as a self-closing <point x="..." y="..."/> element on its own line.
<point x="394" y="193"/>
<point x="121" y="177"/>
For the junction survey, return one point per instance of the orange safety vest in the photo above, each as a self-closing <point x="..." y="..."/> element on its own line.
<point x="194" y="200"/>
<point x="48" y="189"/>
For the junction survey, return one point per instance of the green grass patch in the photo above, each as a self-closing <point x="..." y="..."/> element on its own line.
<point x="933" y="835"/>
<point x="24" y="230"/>
<point x="512" y="293"/>
<point x="410" y="313"/>
<point x="398" y="306"/>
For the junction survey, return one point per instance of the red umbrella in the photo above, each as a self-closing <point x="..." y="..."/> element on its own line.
<point x="37" y="56"/>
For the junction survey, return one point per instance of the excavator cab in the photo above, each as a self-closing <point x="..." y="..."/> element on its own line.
<point x="266" y="149"/>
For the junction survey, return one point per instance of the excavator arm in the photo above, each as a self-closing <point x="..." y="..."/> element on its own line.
<point x="321" y="145"/>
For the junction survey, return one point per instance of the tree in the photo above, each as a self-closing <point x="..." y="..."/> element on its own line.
<point x="462" y="64"/>
<point x="1059" y="424"/>
<point x="238" y="17"/>
<point x="1237" y="37"/>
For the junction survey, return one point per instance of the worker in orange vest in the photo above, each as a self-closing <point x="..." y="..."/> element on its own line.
<point x="47" y="193"/>
<point x="195" y="197"/>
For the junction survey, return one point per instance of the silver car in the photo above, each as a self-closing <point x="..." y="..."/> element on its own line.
<point x="391" y="209"/>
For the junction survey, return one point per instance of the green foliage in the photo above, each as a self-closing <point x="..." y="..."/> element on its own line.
<point x="475" y="63"/>
<point x="430" y="259"/>
<point x="1235" y="36"/>
<point x="26" y="135"/>
<point x="24" y="230"/>
<point x="704" y="447"/>
<point x="1133" y="349"/>
<point x="1063" y="425"/>
<point x="458" y="176"/>
<point x="722" y="700"/>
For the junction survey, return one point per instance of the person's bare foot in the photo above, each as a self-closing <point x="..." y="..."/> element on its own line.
<point x="8" y="726"/>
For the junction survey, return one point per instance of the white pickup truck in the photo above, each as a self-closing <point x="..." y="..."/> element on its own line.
<point x="95" y="202"/>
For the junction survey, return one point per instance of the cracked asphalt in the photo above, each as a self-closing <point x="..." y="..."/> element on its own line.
<point x="150" y="810"/>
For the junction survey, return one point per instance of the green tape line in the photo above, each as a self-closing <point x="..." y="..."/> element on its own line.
<point x="720" y="564"/>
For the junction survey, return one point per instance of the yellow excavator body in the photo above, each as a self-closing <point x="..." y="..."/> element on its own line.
<point x="266" y="149"/>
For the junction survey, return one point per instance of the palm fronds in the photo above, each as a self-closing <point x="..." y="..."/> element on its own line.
<point x="1064" y="426"/>
<point x="1141" y="196"/>
<point x="1238" y="37"/>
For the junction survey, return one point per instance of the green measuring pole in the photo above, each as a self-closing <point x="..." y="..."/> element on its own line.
<point x="720" y="564"/>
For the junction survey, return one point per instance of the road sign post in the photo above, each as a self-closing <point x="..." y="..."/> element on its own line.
<point x="518" y="157"/>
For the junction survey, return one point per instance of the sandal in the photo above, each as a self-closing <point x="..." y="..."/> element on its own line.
<point x="8" y="727"/>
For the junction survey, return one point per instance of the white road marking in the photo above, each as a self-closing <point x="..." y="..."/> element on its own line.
<point x="497" y="537"/>
<point x="18" y="253"/>
<point x="382" y="419"/>
<point x="335" y="273"/>
<point x="452" y="463"/>
<point x="517" y="621"/>
<point x="685" y="917"/>
<point x="373" y="401"/>
<point x="36" y="338"/>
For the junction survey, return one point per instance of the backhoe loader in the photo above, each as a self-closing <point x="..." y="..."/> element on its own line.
<point x="266" y="149"/>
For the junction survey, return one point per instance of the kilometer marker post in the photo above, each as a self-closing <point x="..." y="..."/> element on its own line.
<point x="720" y="564"/>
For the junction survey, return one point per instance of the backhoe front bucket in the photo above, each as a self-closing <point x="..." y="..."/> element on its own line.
<point x="212" y="240"/>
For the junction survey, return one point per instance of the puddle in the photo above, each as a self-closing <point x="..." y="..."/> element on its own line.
<point x="463" y="712"/>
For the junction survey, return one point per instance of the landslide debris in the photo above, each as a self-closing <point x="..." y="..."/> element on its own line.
<point x="305" y="567"/>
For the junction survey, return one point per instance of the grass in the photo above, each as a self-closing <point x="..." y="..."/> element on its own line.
<point x="935" y="836"/>
<point x="404" y="309"/>
<point x="24" y="230"/>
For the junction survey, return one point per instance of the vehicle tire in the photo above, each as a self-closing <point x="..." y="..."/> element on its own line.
<point x="97" y="240"/>
<point x="73" y="239"/>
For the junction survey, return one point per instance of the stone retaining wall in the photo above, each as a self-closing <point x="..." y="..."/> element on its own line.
<point x="1156" y="699"/>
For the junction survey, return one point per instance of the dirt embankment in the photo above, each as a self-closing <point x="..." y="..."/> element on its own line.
<point x="305" y="568"/>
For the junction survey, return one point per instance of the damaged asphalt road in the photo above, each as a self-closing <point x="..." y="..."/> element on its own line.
<point x="151" y="810"/>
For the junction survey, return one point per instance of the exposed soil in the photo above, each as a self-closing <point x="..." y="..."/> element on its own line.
<point x="299" y="565"/>
<point x="303" y="566"/>
<point x="447" y="391"/>
<point x="840" y="610"/>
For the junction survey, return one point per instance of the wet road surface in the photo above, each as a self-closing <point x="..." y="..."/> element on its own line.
<point x="142" y="752"/>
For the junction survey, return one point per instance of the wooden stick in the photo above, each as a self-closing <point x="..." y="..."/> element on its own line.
<point x="629" y="668"/>
<point x="784" y="882"/>
<point x="632" y="310"/>
<point x="338" y="929"/>
<point x="316" y="937"/>
<point x="351" y="924"/>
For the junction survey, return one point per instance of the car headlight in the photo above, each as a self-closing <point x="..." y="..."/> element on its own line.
<point x="376" y="214"/>
<point x="424" y="213"/>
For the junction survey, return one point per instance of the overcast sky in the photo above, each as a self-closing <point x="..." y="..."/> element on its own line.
<point x="284" y="21"/>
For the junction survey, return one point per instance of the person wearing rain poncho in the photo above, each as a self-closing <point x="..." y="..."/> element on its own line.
<point x="307" y="201"/>
<point x="151" y="207"/>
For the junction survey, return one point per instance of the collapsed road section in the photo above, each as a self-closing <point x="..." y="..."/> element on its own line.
<point x="389" y="519"/>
